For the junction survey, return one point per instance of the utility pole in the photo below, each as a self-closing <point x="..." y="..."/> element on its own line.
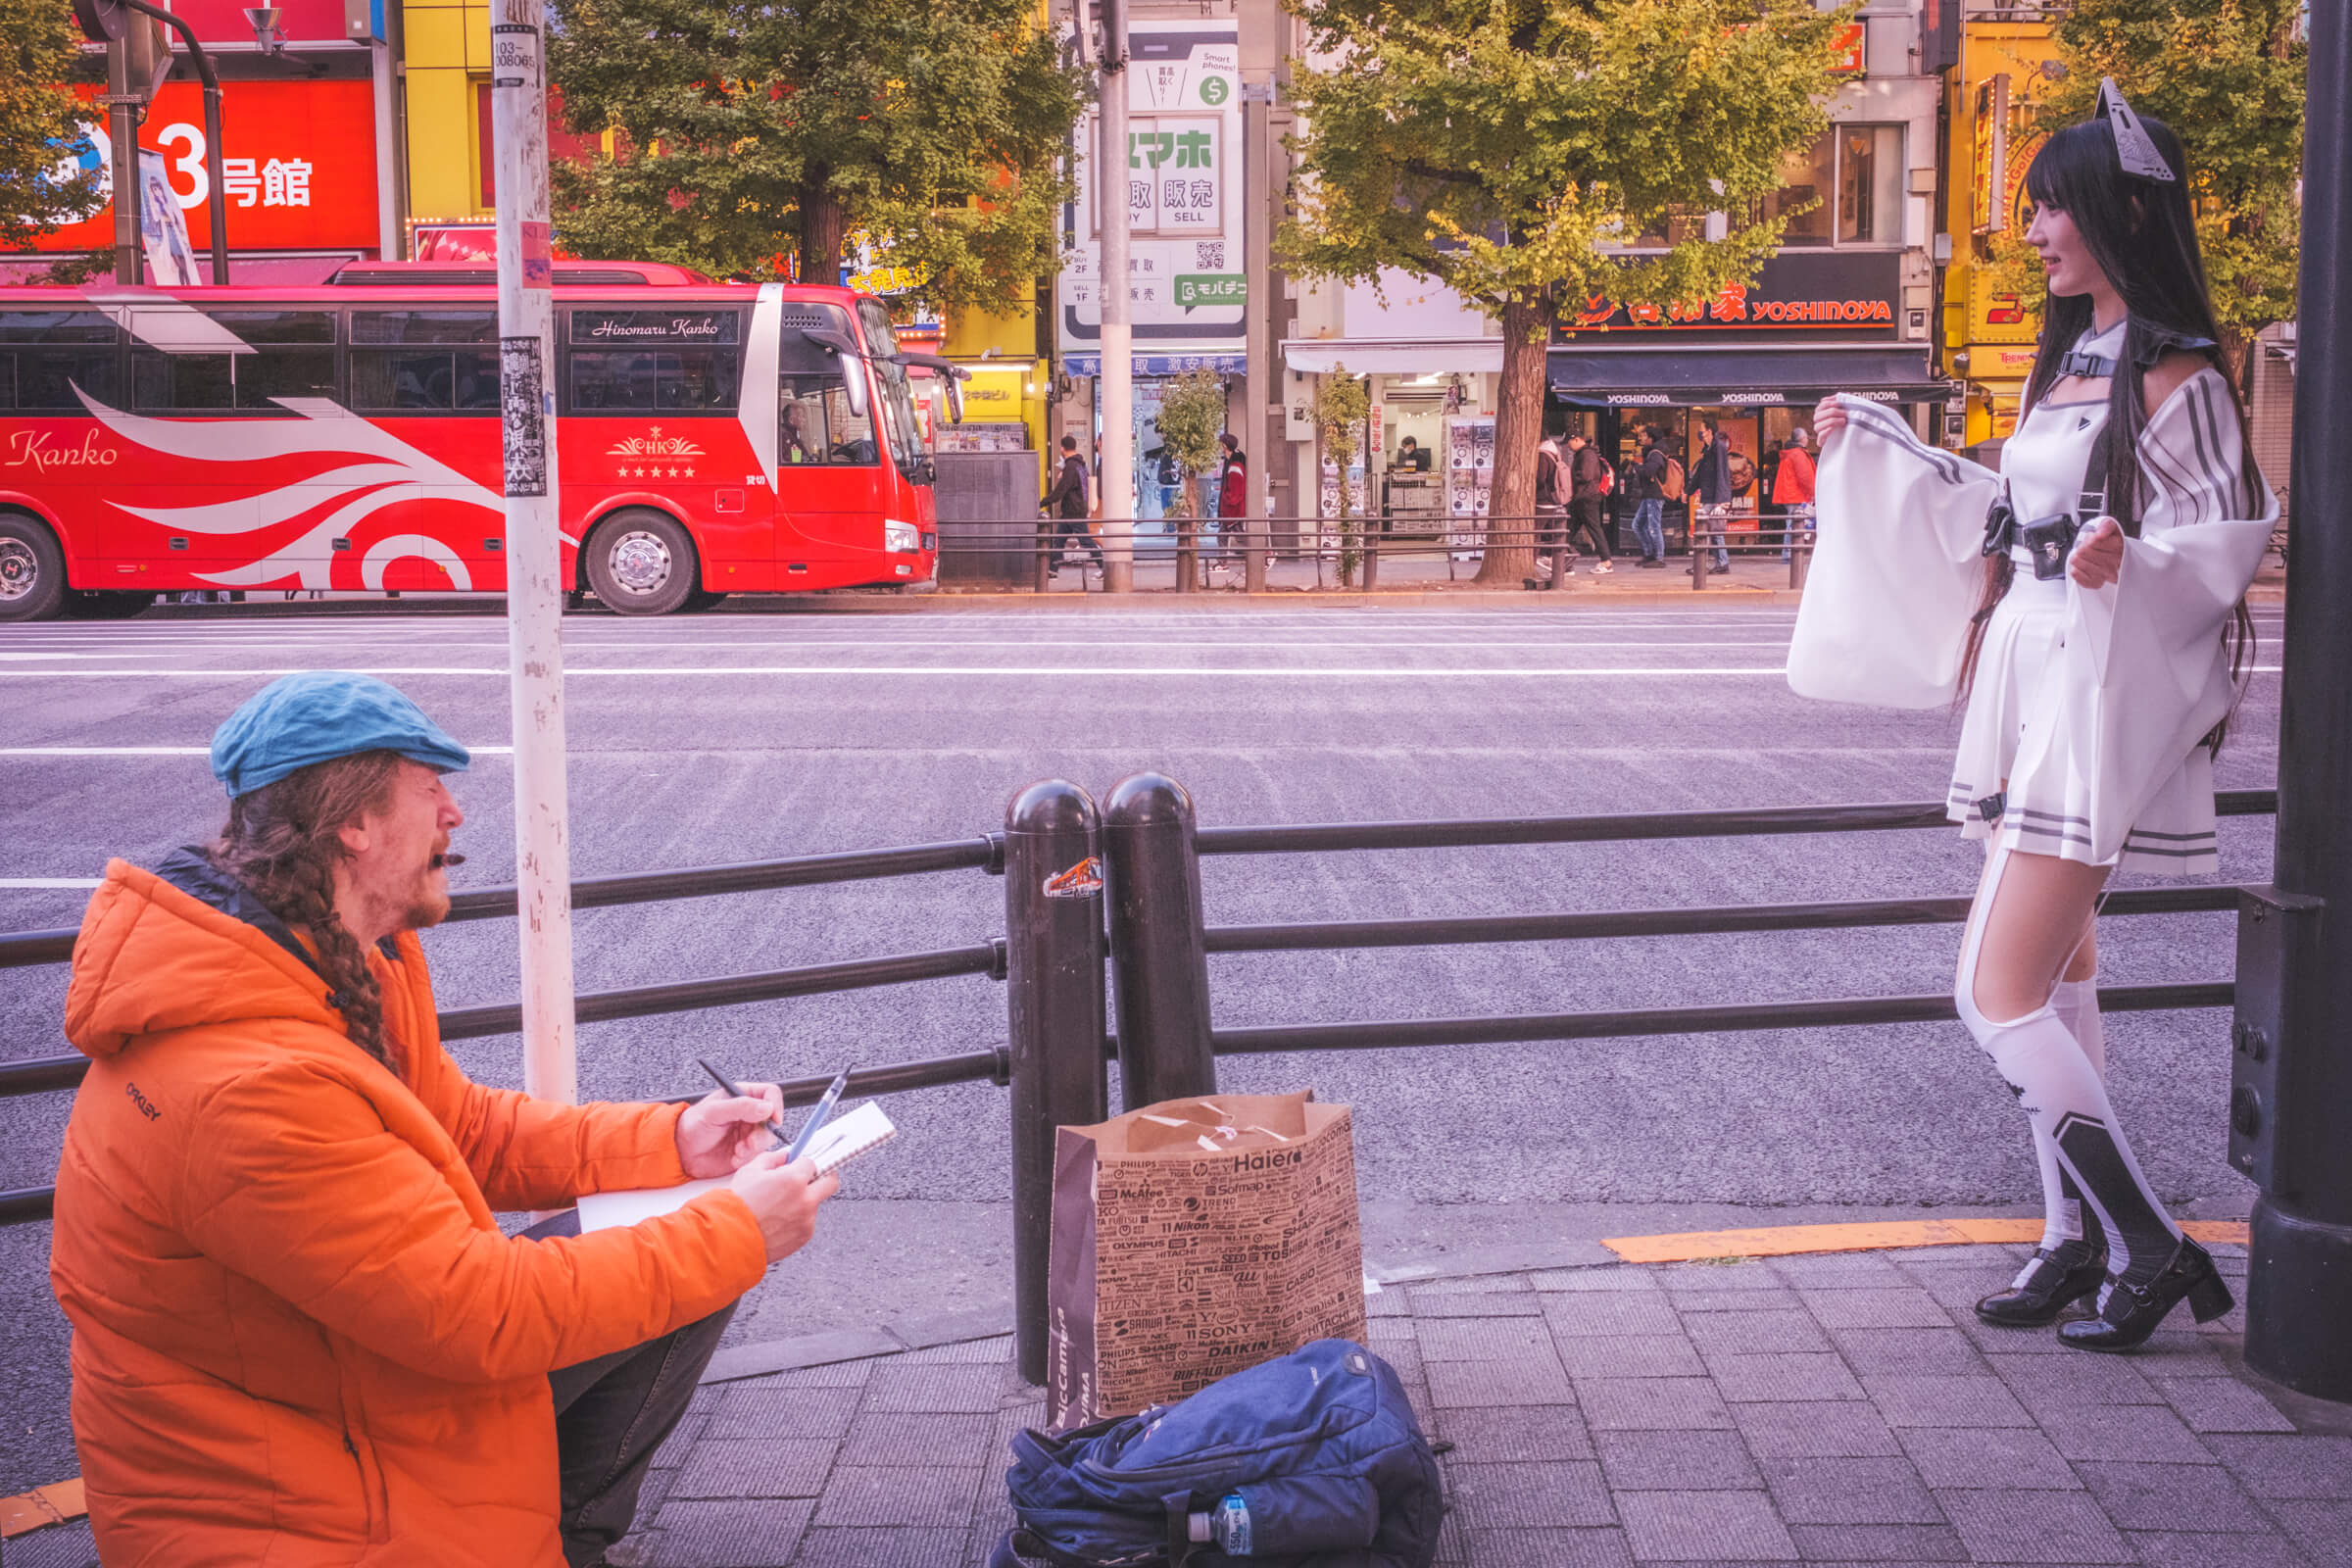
<point x="1117" y="381"/>
<point x="2291" y="1066"/>
<point x="123" y="130"/>
<point x="534" y="553"/>
<point x="1261" y="24"/>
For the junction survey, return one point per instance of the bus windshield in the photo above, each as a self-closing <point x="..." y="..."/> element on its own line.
<point x="898" y="399"/>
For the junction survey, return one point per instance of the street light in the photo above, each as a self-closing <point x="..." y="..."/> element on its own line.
<point x="264" y="22"/>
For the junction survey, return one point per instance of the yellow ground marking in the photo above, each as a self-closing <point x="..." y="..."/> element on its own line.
<point x="1780" y="1241"/>
<point x="52" y="1505"/>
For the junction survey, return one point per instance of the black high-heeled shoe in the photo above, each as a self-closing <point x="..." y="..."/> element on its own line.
<point x="2130" y="1312"/>
<point x="2057" y="1278"/>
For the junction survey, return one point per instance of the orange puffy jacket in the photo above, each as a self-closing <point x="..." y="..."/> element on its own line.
<point x="299" y="1336"/>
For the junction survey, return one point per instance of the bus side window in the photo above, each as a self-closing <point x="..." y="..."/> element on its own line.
<point x="45" y="355"/>
<point x="292" y="356"/>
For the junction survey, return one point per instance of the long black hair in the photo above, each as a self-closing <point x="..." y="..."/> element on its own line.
<point x="2143" y="235"/>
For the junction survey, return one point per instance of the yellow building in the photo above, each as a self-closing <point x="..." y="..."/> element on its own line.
<point x="2008" y="63"/>
<point x="447" y="101"/>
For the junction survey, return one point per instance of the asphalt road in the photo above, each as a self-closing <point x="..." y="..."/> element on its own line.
<point x="739" y="736"/>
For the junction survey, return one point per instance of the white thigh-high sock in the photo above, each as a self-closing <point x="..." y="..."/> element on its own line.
<point x="2064" y="1217"/>
<point x="2062" y="1093"/>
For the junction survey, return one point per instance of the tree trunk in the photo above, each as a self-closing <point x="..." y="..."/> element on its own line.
<point x="824" y="230"/>
<point x="1518" y="429"/>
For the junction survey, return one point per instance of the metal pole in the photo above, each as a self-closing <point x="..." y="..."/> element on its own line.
<point x="1159" y="953"/>
<point x="1118" y="331"/>
<point x="1260" y="28"/>
<point x="123" y="133"/>
<point x="1054" y="1020"/>
<point x="2291" y="1071"/>
<point x="534" y="547"/>
<point x="215" y="199"/>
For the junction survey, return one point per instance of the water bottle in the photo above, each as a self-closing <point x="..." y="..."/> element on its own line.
<point x="1227" y="1525"/>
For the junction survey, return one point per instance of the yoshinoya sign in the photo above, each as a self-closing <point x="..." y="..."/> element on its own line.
<point x="1849" y="294"/>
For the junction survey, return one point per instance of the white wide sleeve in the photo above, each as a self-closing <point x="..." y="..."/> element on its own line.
<point x="2145" y="676"/>
<point x="1896" y="570"/>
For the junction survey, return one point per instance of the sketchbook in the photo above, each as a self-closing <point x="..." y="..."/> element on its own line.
<point x="840" y="1141"/>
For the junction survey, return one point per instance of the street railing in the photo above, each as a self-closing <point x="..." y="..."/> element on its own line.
<point x="1105" y="916"/>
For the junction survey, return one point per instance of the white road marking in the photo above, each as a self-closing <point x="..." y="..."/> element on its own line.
<point x="1135" y="671"/>
<point x="47" y="883"/>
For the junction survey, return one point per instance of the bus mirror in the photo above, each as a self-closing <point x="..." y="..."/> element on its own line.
<point x="947" y="371"/>
<point x="833" y="338"/>
<point x="955" y="399"/>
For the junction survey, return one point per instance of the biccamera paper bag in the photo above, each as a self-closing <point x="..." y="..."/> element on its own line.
<point x="1194" y="1238"/>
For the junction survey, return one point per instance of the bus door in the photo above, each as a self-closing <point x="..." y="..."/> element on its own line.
<point x="829" y="468"/>
<point x="425" y="375"/>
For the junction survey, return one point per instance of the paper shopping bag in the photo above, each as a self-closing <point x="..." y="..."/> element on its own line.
<point x="1193" y="1239"/>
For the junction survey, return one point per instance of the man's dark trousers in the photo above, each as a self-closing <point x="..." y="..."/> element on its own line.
<point x="612" y="1414"/>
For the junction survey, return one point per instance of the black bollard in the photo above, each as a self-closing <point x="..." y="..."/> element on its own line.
<point x="1053" y="1004"/>
<point x="1159" y="959"/>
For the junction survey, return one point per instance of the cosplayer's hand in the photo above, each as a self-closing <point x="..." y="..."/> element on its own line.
<point x="1829" y="418"/>
<point x="2098" y="557"/>
<point x="784" y="1199"/>
<point x="720" y="1132"/>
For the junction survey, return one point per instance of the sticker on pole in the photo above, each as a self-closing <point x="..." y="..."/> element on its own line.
<point x="513" y="55"/>
<point x="538" y="256"/>
<point x="1081" y="881"/>
<point x="523" y="415"/>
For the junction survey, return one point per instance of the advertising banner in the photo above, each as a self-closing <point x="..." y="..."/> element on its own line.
<point x="1849" y="295"/>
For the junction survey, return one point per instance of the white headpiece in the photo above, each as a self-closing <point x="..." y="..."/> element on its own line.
<point x="2134" y="149"/>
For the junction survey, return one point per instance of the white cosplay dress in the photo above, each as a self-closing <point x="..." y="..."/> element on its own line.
<point x="2085" y="724"/>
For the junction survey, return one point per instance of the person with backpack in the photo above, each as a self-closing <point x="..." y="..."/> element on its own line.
<point x="1552" y="517"/>
<point x="1589" y="482"/>
<point x="1656" y="473"/>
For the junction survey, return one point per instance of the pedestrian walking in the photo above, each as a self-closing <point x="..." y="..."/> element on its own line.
<point x="1066" y="505"/>
<point x="2100" y="668"/>
<point x="299" y="1333"/>
<point x="1555" y="556"/>
<point x="1233" y="495"/>
<point x="1588" y="476"/>
<point x="1793" y="490"/>
<point x="1713" y="476"/>
<point x="1650" y="485"/>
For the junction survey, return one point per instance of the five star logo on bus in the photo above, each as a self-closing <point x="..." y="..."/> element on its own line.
<point x="651" y="456"/>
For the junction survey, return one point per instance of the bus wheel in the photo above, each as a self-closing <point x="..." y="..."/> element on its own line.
<point x="108" y="604"/>
<point x="33" y="570"/>
<point x="641" y="562"/>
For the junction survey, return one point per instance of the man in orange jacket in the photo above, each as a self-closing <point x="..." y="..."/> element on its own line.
<point x="300" y="1335"/>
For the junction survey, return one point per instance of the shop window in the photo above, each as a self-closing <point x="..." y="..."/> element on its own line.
<point x="1808" y="179"/>
<point x="44" y="355"/>
<point x="292" y="354"/>
<point x="1870" y="185"/>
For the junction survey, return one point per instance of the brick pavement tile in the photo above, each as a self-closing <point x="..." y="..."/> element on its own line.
<point x="2220" y="1405"/>
<point x="756" y="1467"/>
<point x="1849" y="1492"/>
<point x="1549" y="1548"/>
<point x="2323" y="1530"/>
<point x="1474" y="1285"/>
<point x="896" y="1390"/>
<point x="1753" y="1275"/>
<point x="2015" y="1344"/>
<point x="1453" y="1541"/>
<point x="996" y="1351"/>
<point x="1506" y="1496"/>
<point x="685" y="1435"/>
<point x="653" y="1492"/>
<point x="1628" y="1355"/>
<point x="1513" y="1434"/>
<point x="1783" y="1376"/>
<point x="1843" y="1271"/>
<point x="1879" y="1544"/>
<point x="1528" y="1380"/>
<point x="1483" y="1338"/>
<point x="933" y="1496"/>
<point x="1982" y="1257"/>
<point x="771" y="1412"/>
<point x="1752" y="1333"/>
<point x="1588" y="1312"/>
<point x="2315" y="1467"/>
<point x="2042" y="1382"/>
<point x="1690" y="1299"/>
<point x="1998" y="1458"/>
<point x="1609" y="1277"/>
<point x="2181" y="1353"/>
<point x="921" y="1439"/>
<point x="1716" y="1525"/>
<point x="1875" y="1306"/>
<point x="1675" y="1461"/>
<point x="1909" y="1352"/>
<point x="2172" y="1496"/>
<point x="2033" y="1527"/>
<point x="1634" y="1404"/>
<point x="1524" y="1304"/>
<point x="835" y="1375"/>
<point x="729" y="1535"/>
<point x="1404" y="1356"/>
<point x="67" y="1546"/>
<point x="1388" y="1303"/>
<point x="1815" y="1431"/>
<point x="2187" y="1548"/>
<point x="888" y="1547"/>
<point x="1946" y="1401"/>
<point x="2149" y="1433"/>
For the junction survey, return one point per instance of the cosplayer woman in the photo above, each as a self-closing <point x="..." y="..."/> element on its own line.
<point x="2097" y="643"/>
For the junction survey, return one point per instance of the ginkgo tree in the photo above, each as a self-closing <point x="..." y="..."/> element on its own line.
<point x="41" y="191"/>
<point x="1519" y="151"/>
<point x="752" y="130"/>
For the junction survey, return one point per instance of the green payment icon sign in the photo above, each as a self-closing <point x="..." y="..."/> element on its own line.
<point x="1211" y="288"/>
<point x="1214" y="89"/>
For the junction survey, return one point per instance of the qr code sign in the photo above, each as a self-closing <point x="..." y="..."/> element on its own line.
<point x="1208" y="256"/>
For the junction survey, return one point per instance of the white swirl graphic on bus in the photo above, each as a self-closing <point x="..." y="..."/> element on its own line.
<point x="397" y="472"/>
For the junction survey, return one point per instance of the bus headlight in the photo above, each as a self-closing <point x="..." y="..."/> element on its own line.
<point x="900" y="536"/>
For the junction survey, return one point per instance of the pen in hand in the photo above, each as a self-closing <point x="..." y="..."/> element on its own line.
<point x="817" y="1119"/>
<point x="775" y="1124"/>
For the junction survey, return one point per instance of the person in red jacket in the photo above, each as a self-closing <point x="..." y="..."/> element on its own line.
<point x="300" y="1335"/>
<point x="1792" y="489"/>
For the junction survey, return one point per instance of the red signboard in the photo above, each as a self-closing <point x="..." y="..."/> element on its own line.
<point x="297" y="164"/>
<point x="299" y="21"/>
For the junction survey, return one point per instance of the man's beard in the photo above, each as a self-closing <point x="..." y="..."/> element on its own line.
<point x="430" y="905"/>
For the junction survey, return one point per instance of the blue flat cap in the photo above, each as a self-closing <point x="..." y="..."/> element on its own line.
<point x="318" y="716"/>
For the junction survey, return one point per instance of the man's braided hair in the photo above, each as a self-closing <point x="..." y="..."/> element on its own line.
<point x="282" y="843"/>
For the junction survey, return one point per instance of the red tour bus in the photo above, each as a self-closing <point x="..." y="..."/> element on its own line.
<point x="711" y="438"/>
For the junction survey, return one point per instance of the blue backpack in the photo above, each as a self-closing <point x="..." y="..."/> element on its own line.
<point x="1320" y="1445"/>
